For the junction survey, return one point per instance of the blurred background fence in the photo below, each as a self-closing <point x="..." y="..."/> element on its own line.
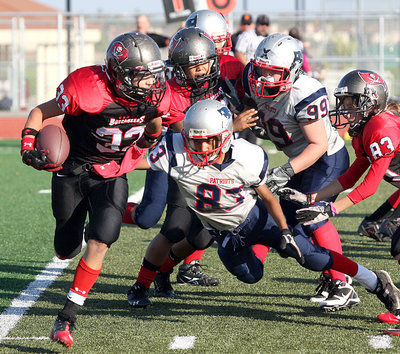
<point x="35" y="56"/>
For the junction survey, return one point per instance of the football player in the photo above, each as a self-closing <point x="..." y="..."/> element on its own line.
<point x="149" y="211"/>
<point x="361" y="99"/>
<point x="197" y="76"/>
<point x="110" y="114"/>
<point x="223" y="182"/>
<point x="293" y="110"/>
<point x="383" y="222"/>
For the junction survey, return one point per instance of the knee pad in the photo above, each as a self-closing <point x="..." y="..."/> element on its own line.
<point x="64" y="254"/>
<point x="244" y="265"/>
<point x="201" y="241"/>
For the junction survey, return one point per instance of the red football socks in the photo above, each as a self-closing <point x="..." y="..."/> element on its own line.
<point x="84" y="279"/>
<point x="327" y="236"/>
<point x="260" y="251"/>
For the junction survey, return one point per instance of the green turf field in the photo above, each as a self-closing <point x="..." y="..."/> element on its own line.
<point x="271" y="316"/>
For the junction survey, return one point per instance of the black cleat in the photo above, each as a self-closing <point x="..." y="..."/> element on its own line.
<point x="370" y="228"/>
<point x="192" y="274"/>
<point x="162" y="285"/>
<point x="323" y="289"/>
<point x="387" y="229"/>
<point x="138" y="296"/>
<point x="386" y="291"/>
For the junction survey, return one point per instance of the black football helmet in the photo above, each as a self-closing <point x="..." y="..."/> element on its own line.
<point x="131" y="57"/>
<point x="369" y="93"/>
<point x="191" y="46"/>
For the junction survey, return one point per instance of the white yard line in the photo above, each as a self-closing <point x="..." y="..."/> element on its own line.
<point x="380" y="342"/>
<point x="44" y="191"/>
<point x="26" y="338"/>
<point x="27" y="298"/>
<point x="186" y="342"/>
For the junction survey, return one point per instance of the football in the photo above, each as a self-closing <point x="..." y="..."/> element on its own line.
<point x="54" y="142"/>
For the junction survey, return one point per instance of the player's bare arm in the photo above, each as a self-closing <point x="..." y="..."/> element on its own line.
<point x="273" y="206"/>
<point x="315" y="134"/>
<point x="42" y="112"/>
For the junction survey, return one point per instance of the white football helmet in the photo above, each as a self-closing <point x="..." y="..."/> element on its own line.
<point x="214" y="24"/>
<point x="207" y="119"/>
<point x="276" y="54"/>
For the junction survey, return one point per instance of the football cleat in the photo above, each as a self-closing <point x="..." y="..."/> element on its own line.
<point x="393" y="331"/>
<point x="387" y="229"/>
<point x="192" y="274"/>
<point x="323" y="288"/>
<point x="389" y="317"/>
<point x="342" y="296"/>
<point x="162" y="285"/>
<point x="369" y="228"/>
<point x="386" y="291"/>
<point x="61" y="332"/>
<point x="138" y="296"/>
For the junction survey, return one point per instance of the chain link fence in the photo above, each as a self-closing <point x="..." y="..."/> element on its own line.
<point x="35" y="56"/>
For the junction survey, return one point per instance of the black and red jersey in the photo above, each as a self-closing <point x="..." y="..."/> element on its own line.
<point x="100" y="125"/>
<point x="376" y="147"/>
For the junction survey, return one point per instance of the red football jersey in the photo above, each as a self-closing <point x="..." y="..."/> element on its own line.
<point x="375" y="148"/>
<point x="100" y="125"/>
<point x="232" y="68"/>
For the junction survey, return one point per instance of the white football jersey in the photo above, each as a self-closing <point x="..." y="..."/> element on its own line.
<point x="221" y="195"/>
<point x="281" y="115"/>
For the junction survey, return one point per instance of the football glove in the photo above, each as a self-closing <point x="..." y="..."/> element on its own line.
<point x="289" y="247"/>
<point x="317" y="213"/>
<point x="297" y="197"/>
<point x="37" y="159"/>
<point x="32" y="157"/>
<point x="279" y="177"/>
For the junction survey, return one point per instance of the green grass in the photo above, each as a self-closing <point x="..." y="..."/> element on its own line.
<point x="270" y="316"/>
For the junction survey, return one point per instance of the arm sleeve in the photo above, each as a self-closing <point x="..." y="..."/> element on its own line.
<point x="371" y="181"/>
<point x="354" y="173"/>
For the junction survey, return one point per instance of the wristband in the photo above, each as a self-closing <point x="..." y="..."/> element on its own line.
<point x="152" y="137"/>
<point x="311" y="198"/>
<point x="29" y="131"/>
<point x="27" y="143"/>
<point x="333" y="209"/>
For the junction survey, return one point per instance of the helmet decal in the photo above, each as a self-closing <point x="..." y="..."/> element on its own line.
<point x="119" y="52"/>
<point x="372" y="78"/>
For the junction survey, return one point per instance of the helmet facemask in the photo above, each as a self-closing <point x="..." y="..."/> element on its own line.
<point x="221" y="144"/>
<point x="262" y="81"/>
<point x="130" y="83"/>
<point x="226" y="38"/>
<point x="356" y="115"/>
<point x="208" y="81"/>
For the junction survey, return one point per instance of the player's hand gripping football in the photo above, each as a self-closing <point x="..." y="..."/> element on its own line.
<point x="279" y="177"/>
<point x="295" y="196"/>
<point x="317" y="213"/>
<point x="32" y="157"/>
<point x="289" y="247"/>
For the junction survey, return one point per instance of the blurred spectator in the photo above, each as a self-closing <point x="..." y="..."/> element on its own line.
<point x="295" y="33"/>
<point x="246" y="24"/>
<point x="143" y="25"/>
<point x="248" y="41"/>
